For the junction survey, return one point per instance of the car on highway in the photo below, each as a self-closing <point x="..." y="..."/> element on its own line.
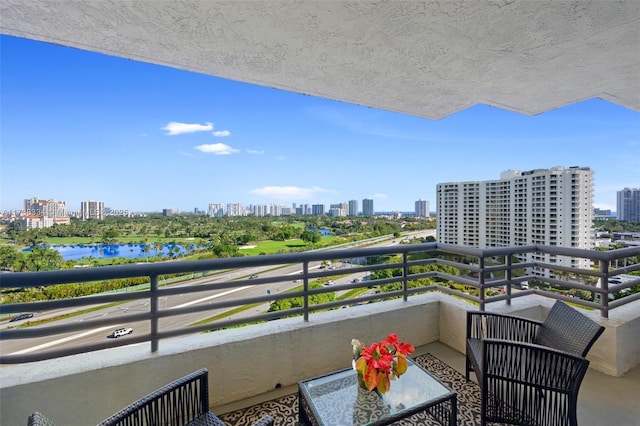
<point x="121" y="332"/>
<point x="21" y="317"/>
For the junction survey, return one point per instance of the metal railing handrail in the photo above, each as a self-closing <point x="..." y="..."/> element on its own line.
<point x="487" y="264"/>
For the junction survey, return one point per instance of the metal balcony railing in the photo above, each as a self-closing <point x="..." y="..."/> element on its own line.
<point x="480" y="272"/>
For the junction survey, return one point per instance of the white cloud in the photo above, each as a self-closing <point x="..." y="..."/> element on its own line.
<point x="221" y="133"/>
<point x="174" y="128"/>
<point x="254" y="151"/>
<point x="217" y="149"/>
<point x="288" y="192"/>
<point x="382" y="196"/>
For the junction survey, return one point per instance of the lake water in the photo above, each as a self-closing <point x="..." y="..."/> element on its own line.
<point x="322" y="231"/>
<point x="129" y="251"/>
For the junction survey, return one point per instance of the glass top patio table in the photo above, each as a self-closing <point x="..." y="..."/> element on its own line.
<point x="337" y="399"/>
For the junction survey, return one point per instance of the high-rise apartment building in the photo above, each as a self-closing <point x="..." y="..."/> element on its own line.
<point x="235" y="209"/>
<point x="260" y="210"/>
<point x="543" y="206"/>
<point x="49" y="208"/>
<point x="367" y="207"/>
<point x="422" y="208"/>
<point x="92" y="210"/>
<point x="216" y="210"/>
<point x="338" y="209"/>
<point x="40" y="213"/>
<point x="317" y="209"/>
<point x="353" y="208"/>
<point x="628" y="205"/>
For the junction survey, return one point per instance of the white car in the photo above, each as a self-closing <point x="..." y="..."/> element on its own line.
<point x="121" y="332"/>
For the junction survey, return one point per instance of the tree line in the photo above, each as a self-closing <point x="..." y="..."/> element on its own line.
<point x="209" y="237"/>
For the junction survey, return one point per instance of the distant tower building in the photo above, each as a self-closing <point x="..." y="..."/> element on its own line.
<point x="317" y="209"/>
<point x="235" y="209"/>
<point x="216" y="210"/>
<point x="260" y="210"/>
<point x="49" y="208"/>
<point x="628" y="205"/>
<point x="367" y="207"/>
<point x="167" y="212"/>
<point x="91" y="210"/>
<point x="353" y="208"/>
<point x="551" y="207"/>
<point x="274" y="210"/>
<point x="340" y="209"/>
<point x="600" y="214"/>
<point x="422" y="208"/>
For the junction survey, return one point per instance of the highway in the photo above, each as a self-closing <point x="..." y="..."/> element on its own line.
<point x="23" y="346"/>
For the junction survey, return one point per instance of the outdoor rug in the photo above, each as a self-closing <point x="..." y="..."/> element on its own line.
<point x="284" y="410"/>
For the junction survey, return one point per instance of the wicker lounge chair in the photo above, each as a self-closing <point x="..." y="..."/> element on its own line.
<point x="182" y="402"/>
<point x="530" y="372"/>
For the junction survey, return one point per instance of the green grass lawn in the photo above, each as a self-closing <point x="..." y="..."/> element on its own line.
<point x="273" y="247"/>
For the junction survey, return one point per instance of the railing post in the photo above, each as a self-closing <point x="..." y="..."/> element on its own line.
<point x="509" y="276"/>
<point x="481" y="282"/>
<point x="405" y="275"/>
<point x="604" y="285"/>
<point x="153" y="303"/>
<point x="305" y="298"/>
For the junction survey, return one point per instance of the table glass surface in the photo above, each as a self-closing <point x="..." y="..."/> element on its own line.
<point x="338" y="399"/>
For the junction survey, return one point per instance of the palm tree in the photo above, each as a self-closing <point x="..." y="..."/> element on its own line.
<point x="158" y="248"/>
<point x="44" y="259"/>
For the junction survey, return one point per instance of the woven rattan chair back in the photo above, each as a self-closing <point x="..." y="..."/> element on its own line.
<point x="568" y="330"/>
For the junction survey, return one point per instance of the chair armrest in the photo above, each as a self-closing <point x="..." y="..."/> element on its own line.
<point x="490" y="325"/>
<point x="532" y="365"/>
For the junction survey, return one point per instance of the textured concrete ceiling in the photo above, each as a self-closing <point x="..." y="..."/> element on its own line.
<point x="423" y="58"/>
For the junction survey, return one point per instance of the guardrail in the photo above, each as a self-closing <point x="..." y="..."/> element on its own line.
<point x="482" y="270"/>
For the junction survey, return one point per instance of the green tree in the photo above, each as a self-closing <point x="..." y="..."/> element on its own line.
<point x="311" y="236"/>
<point x="10" y="258"/>
<point x="110" y="235"/>
<point x="44" y="259"/>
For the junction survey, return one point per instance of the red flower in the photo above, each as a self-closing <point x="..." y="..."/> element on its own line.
<point x="383" y="361"/>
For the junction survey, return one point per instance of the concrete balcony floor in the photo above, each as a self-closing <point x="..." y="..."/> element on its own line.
<point x="603" y="399"/>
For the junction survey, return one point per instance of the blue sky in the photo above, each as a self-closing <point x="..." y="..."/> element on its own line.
<point x="78" y="126"/>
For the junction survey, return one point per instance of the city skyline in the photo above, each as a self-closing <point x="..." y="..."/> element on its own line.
<point x="84" y="126"/>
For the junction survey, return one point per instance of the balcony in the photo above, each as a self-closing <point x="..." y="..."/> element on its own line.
<point x="82" y="384"/>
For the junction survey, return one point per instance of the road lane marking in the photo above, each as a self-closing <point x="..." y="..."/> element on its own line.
<point x="211" y="297"/>
<point x="63" y="340"/>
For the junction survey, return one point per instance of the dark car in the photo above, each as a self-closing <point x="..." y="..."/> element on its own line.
<point x="21" y="317"/>
<point x="253" y="276"/>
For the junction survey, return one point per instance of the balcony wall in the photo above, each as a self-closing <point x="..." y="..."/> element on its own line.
<point x="249" y="361"/>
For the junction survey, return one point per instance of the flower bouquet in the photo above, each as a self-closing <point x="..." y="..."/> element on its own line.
<point x="381" y="362"/>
